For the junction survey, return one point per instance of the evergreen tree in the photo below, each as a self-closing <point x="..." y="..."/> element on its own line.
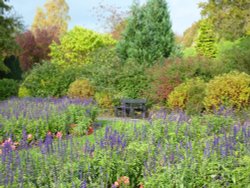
<point x="205" y="44"/>
<point x="148" y="35"/>
<point x="9" y="26"/>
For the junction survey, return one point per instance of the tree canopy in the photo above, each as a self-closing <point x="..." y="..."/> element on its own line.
<point x="54" y="15"/>
<point x="148" y="35"/>
<point x="9" y="26"/>
<point x="76" y="44"/>
<point x="231" y="18"/>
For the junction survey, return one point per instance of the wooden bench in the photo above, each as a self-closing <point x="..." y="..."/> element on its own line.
<point x="134" y="108"/>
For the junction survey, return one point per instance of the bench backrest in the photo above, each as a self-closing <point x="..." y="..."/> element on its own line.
<point x="133" y="101"/>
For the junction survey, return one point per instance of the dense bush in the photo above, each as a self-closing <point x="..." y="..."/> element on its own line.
<point x="76" y="45"/>
<point x="188" y="96"/>
<point x="102" y="69"/>
<point x="132" y="80"/>
<point x="230" y="90"/>
<point x="236" y="55"/>
<point x="104" y="100"/>
<point x="8" y="88"/>
<point x="165" y="77"/>
<point x="23" y="92"/>
<point x="14" y="70"/>
<point x="108" y="74"/>
<point x="81" y="88"/>
<point x="49" y="80"/>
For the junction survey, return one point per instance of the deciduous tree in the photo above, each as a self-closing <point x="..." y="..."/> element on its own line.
<point x="34" y="47"/>
<point x="231" y="18"/>
<point x="54" y="15"/>
<point x="76" y="44"/>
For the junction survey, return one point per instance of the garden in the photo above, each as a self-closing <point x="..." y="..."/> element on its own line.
<point x="59" y="88"/>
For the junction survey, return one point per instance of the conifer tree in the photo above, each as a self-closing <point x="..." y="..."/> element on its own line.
<point x="205" y="44"/>
<point x="148" y="35"/>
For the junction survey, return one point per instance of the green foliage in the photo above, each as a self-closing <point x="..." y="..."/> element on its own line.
<point x="165" y="77"/>
<point x="229" y="18"/>
<point x="14" y="70"/>
<point x="132" y="81"/>
<point x="9" y="27"/>
<point x="230" y="90"/>
<point x="104" y="100"/>
<point x="81" y="88"/>
<point x="190" y="35"/>
<point x="236" y="55"/>
<point x="49" y="80"/>
<point x="188" y="96"/>
<point x="76" y="44"/>
<point x="102" y="69"/>
<point x="148" y="35"/>
<point x="108" y="75"/>
<point x="23" y="92"/>
<point x="205" y="44"/>
<point x="189" y="52"/>
<point x="8" y="88"/>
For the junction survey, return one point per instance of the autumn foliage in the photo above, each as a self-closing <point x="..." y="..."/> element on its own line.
<point x="34" y="47"/>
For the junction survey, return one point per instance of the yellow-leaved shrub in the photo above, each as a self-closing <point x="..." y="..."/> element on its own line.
<point x="81" y="88"/>
<point x="188" y="96"/>
<point x="230" y="90"/>
<point x="23" y="92"/>
<point x="104" y="100"/>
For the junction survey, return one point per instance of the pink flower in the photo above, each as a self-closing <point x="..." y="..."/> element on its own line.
<point x="123" y="180"/>
<point x="59" y="135"/>
<point x="29" y="136"/>
<point x="141" y="186"/>
<point x="116" y="184"/>
<point x="13" y="147"/>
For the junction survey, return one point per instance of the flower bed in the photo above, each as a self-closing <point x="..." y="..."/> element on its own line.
<point x="173" y="151"/>
<point x="36" y="117"/>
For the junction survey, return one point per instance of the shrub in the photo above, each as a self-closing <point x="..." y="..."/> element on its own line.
<point x="188" y="96"/>
<point x="236" y="55"/>
<point x="49" y="80"/>
<point x="23" y="92"/>
<point x="76" y="45"/>
<point x="8" y="88"/>
<point x="81" y="89"/>
<point x="102" y="69"/>
<point x="189" y="52"/>
<point x="108" y="74"/>
<point x="165" y="77"/>
<point x="229" y="90"/>
<point x="104" y="100"/>
<point x="132" y="80"/>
